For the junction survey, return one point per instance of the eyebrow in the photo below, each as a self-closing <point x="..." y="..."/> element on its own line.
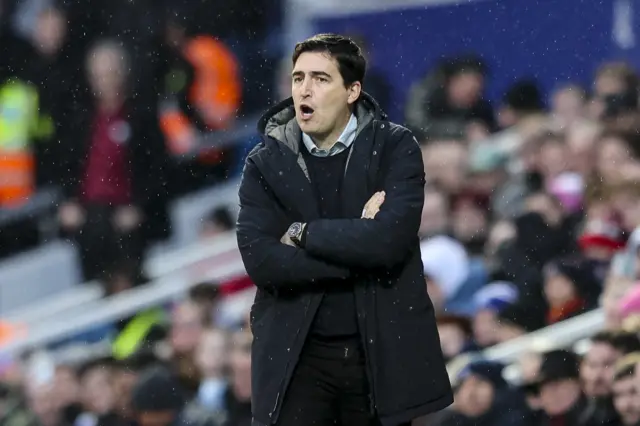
<point x="312" y="73"/>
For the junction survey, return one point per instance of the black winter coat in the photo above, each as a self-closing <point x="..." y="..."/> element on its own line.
<point x="381" y="256"/>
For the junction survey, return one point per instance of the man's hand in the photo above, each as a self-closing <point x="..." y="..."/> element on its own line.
<point x="126" y="218"/>
<point x="71" y="215"/>
<point x="372" y="207"/>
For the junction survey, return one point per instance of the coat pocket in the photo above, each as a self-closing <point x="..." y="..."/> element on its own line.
<point x="260" y="310"/>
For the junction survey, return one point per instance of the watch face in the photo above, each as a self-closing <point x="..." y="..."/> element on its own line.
<point x="294" y="230"/>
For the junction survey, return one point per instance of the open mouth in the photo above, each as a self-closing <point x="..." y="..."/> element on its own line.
<point x="306" y="111"/>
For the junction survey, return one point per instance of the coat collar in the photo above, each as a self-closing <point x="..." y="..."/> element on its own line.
<point x="280" y="123"/>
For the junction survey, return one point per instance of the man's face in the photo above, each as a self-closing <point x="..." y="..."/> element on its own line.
<point x="558" y="290"/>
<point x="97" y="390"/>
<point x="211" y="353"/>
<point x="160" y="418"/>
<point x="628" y="205"/>
<point x="452" y="339"/>
<point x="50" y="31"/>
<point x="123" y="383"/>
<point x="625" y="400"/>
<point x="613" y="157"/>
<point x="552" y="158"/>
<point x="319" y="95"/>
<point x="567" y="104"/>
<point x="434" y="219"/>
<point x="469" y="221"/>
<point x="106" y="73"/>
<point x="465" y="89"/>
<point x="559" y="397"/>
<point x="596" y="369"/>
<point x="474" y="397"/>
<point x="445" y="163"/>
<point x="485" y="325"/>
<point x="240" y="364"/>
<point x="186" y="327"/>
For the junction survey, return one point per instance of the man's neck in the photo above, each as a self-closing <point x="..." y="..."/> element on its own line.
<point x="328" y="141"/>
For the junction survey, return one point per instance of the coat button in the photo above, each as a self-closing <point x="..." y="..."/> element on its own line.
<point x="382" y="126"/>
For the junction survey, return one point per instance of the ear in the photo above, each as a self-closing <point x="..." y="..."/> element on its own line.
<point x="354" y="92"/>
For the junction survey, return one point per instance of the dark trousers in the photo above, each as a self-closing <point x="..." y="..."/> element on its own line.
<point x="103" y="247"/>
<point x="329" y="386"/>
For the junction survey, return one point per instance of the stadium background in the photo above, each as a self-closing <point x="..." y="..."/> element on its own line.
<point x="72" y="318"/>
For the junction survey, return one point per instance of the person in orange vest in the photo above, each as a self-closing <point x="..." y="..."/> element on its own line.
<point x="202" y="91"/>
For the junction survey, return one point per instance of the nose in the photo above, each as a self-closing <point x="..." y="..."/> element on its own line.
<point x="306" y="88"/>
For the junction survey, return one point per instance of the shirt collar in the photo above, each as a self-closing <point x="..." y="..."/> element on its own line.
<point x="345" y="139"/>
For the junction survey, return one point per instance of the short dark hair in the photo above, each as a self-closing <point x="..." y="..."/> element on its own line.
<point x="623" y="341"/>
<point x="604" y="336"/>
<point x="222" y="217"/>
<point x="351" y="62"/>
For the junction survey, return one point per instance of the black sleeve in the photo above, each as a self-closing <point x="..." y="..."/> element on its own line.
<point x="260" y="226"/>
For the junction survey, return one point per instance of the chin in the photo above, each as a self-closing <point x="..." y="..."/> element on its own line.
<point x="307" y="128"/>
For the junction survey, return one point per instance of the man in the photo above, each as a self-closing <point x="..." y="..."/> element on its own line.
<point x="344" y="330"/>
<point x="158" y="400"/>
<point x="483" y="397"/>
<point x="561" y="397"/>
<point x="597" y="367"/>
<point x="625" y="392"/>
<point x="111" y="168"/>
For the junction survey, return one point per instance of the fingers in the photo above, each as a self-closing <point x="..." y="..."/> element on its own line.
<point x="373" y="205"/>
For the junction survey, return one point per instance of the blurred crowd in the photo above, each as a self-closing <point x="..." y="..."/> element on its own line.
<point x="114" y="106"/>
<point x="173" y="367"/>
<point x="530" y="216"/>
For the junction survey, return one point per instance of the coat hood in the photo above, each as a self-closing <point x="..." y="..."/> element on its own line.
<point x="280" y="123"/>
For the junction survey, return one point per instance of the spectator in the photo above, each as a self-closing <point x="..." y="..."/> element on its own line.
<point x="112" y="178"/>
<point x="445" y="163"/>
<point x="612" y="81"/>
<point x="450" y="99"/>
<point x="625" y="393"/>
<point x="157" y="399"/>
<point x="568" y="105"/>
<point x="455" y="335"/>
<point x="68" y="391"/>
<point x="484" y="398"/>
<point x="218" y="221"/>
<point x="618" y="158"/>
<point x="210" y="358"/>
<point x="570" y="288"/>
<point x="239" y="394"/>
<point x="581" y="139"/>
<point x="521" y="101"/>
<point x="41" y="404"/>
<point x="490" y="301"/>
<point x="126" y="373"/>
<point x="517" y="320"/>
<point x="201" y="94"/>
<point x="434" y="220"/>
<point x="597" y="367"/>
<point x="187" y="324"/>
<point x="470" y="220"/>
<point x="98" y="396"/>
<point x="561" y="397"/>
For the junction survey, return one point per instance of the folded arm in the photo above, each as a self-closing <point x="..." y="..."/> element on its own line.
<point x="268" y="262"/>
<point x="385" y="240"/>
